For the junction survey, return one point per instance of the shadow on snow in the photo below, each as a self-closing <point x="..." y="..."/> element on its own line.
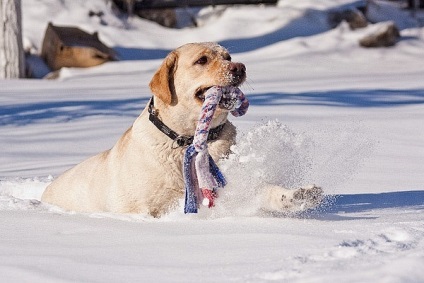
<point x="128" y="53"/>
<point x="336" y="206"/>
<point x="310" y="23"/>
<point x="24" y="114"/>
<point x="342" y="98"/>
<point x="312" y="19"/>
<point x="365" y="202"/>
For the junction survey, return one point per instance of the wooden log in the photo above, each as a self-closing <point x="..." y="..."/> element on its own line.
<point x="65" y="46"/>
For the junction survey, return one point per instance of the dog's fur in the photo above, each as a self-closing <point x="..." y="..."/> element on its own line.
<point x="142" y="173"/>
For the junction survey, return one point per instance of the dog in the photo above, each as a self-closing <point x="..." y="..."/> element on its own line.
<point x="142" y="172"/>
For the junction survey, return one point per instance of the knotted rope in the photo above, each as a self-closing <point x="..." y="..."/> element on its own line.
<point x="202" y="176"/>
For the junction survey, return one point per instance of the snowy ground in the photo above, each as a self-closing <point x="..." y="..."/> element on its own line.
<point x="323" y="111"/>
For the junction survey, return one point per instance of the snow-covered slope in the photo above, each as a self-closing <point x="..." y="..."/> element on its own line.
<point x="323" y="110"/>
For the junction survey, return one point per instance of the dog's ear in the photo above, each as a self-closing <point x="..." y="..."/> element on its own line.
<point x="162" y="83"/>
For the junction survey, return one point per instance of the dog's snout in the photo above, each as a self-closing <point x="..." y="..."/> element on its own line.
<point x="237" y="69"/>
<point x="238" y="72"/>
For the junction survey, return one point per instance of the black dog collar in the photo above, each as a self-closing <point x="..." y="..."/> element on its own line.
<point x="178" y="139"/>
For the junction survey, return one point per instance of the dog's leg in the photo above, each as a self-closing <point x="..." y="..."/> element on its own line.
<point x="279" y="199"/>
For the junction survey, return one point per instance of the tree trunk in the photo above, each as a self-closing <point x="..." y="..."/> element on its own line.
<point x="12" y="61"/>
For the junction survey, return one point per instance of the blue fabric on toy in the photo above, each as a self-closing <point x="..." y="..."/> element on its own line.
<point x="191" y="185"/>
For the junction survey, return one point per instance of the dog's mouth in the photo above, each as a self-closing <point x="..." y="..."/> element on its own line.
<point x="225" y="102"/>
<point x="200" y="94"/>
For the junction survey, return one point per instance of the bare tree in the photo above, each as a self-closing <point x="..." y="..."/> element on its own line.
<point x="11" y="49"/>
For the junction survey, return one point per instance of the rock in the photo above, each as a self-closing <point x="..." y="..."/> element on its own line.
<point x="164" y="17"/>
<point x="386" y="36"/>
<point x="354" y="17"/>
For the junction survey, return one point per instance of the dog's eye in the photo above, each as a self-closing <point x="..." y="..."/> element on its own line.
<point x="228" y="58"/>
<point x="202" y="60"/>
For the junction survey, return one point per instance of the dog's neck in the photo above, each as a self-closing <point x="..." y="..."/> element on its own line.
<point x="184" y="135"/>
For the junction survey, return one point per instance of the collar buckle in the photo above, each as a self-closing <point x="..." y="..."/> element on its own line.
<point x="182" y="141"/>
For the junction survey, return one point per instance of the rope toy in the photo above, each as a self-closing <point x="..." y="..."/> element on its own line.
<point x="202" y="176"/>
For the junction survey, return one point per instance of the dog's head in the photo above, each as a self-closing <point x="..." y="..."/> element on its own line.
<point x="190" y="70"/>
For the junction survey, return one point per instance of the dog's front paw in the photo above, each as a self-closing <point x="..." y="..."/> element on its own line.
<point x="308" y="197"/>
<point x="291" y="201"/>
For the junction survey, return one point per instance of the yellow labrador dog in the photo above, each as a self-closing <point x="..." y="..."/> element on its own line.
<point x="142" y="173"/>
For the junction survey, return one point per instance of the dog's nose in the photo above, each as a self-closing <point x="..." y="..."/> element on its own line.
<point x="237" y="69"/>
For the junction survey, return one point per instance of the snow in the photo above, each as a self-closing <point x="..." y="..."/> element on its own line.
<point x="323" y="110"/>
